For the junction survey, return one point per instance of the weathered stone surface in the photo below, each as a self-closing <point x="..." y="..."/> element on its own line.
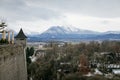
<point x="12" y="63"/>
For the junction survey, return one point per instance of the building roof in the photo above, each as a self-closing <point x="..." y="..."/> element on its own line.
<point x="21" y="34"/>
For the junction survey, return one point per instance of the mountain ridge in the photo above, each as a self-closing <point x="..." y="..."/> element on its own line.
<point x="68" y="30"/>
<point x="70" y="33"/>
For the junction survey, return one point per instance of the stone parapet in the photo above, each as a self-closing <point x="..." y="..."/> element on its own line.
<point x="12" y="62"/>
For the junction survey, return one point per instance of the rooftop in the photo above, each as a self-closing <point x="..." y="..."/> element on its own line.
<point x="21" y="34"/>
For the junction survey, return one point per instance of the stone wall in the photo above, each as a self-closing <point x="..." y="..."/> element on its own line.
<point x="12" y="63"/>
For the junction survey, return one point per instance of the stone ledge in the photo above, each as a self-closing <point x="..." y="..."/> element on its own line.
<point x="10" y="50"/>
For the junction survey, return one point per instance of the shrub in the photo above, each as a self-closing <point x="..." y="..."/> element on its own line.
<point x="2" y="41"/>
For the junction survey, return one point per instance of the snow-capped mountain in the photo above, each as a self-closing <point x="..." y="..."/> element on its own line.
<point x="71" y="33"/>
<point x="67" y="30"/>
<point x="61" y="32"/>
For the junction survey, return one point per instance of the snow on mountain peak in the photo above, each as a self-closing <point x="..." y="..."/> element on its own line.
<point x="67" y="30"/>
<point x="71" y="29"/>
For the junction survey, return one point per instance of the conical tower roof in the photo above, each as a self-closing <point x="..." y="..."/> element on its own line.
<point x="21" y="34"/>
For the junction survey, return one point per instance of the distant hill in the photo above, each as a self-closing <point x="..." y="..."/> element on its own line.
<point x="72" y="33"/>
<point x="112" y="32"/>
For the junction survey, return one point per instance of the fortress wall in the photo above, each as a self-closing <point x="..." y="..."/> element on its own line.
<point x="12" y="63"/>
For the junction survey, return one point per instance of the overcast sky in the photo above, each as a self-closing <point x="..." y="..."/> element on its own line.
<point x="35" y="16"/>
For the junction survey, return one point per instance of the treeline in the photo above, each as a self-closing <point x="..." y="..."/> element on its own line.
<point x="50" y="68"/>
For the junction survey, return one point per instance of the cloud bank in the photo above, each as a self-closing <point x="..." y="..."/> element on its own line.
<point x="38" y="15"/>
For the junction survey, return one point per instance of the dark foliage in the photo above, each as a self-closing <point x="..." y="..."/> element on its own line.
<point x="2" y="41"/>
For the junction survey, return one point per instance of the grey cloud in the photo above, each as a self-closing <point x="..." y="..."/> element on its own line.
<point x="105" y="22"/>
<point x="48" y="9"/>
<point x="11" y="4"/>
<point x="18" y="10"/>
<point x="96" y="8"/>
